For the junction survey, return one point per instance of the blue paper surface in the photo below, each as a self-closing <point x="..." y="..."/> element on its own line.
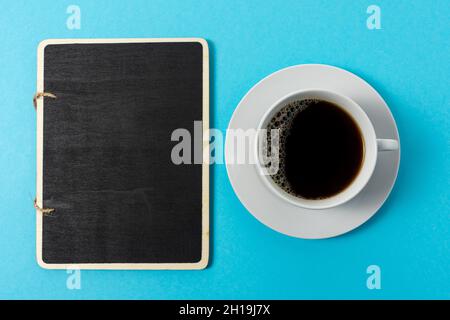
<point x="407" y="61"/>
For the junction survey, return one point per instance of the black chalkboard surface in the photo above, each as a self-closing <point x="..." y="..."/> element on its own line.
<point x="104" y="154"/>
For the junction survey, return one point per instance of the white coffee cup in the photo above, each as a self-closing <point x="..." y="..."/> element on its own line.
<point x="372" y="145"/>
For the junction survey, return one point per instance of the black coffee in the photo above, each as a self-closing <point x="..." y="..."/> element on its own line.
<point x="321" y="149"/>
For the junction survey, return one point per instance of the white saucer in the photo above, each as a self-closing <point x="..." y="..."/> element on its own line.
<point x="287" y="218"/>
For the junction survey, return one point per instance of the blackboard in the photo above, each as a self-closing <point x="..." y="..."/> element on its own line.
<point x="104" y="154"/>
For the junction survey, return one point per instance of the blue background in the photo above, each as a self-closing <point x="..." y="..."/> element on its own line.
<point x="407" y="61"/>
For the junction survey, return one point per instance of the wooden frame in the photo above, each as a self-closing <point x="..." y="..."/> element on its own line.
<point x="205" y="167"/>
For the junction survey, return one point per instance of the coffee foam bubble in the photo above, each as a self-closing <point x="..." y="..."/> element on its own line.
<point x="282" y="120"/>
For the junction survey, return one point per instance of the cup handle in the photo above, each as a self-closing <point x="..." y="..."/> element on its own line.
<point x="387" y="144"/>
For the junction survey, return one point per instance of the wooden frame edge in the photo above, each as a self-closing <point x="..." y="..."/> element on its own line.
<point x="204" y="260"/>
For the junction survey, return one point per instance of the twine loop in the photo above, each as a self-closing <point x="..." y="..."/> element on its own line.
<point x="41" y="95"/>
<point x="44" y="211"/>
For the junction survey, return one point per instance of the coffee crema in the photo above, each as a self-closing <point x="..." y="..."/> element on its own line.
<point x="321" y="148"/>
